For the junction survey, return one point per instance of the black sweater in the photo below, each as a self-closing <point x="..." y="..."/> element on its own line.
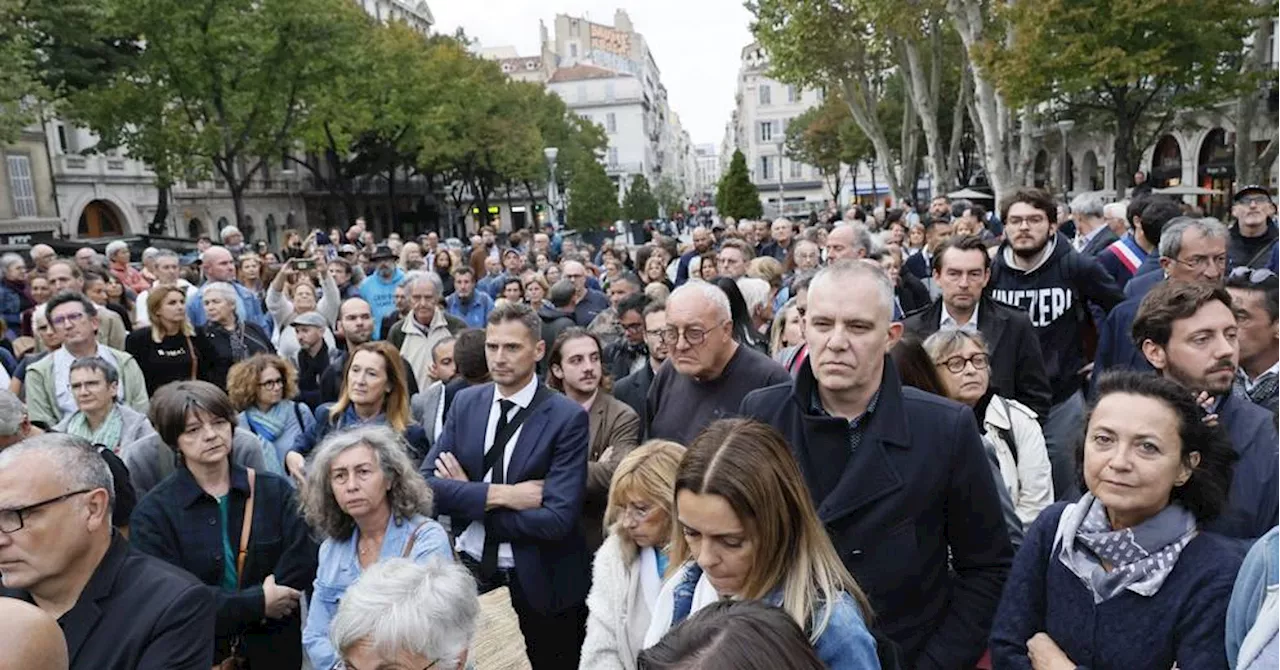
<point x="169" y="360"/>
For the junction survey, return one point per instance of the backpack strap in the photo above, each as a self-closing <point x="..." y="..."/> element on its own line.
<point x="1006" y="434"/>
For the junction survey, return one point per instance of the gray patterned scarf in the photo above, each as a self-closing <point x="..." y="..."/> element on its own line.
<point x="1140" y="557"/>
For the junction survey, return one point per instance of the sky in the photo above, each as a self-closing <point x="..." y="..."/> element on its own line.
<point x="696" y="44"/>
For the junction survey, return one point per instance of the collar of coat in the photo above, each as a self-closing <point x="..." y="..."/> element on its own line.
<point x="888" y="423"/>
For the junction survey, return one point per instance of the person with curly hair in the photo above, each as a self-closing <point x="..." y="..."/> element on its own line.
<point x="262" y="389"/>
<point x="365" y="497"/>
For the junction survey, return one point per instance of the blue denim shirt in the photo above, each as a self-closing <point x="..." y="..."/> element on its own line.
<point x="845" y="644"/>
<point x="475" y="313"/>
<point x="340" y="568"/>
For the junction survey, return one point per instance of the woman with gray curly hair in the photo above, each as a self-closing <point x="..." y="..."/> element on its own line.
<point x="364" y="496"/>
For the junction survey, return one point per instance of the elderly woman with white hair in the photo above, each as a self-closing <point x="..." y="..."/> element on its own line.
<point x="227" y="336"/>
<point x="403" y="614"/>
<point x="365" y="497"/>
<point x="15" y="297"/>
<point x="118" y="257"/>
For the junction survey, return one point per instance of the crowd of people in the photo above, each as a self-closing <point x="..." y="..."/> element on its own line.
<point x="1040" y="437"/>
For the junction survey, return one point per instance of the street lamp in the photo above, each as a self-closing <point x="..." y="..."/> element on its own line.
<point x="553" y="192"/>
<point x="781" y="192"/>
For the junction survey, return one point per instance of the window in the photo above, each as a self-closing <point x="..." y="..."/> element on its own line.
<point x="582" y="92"/>
<point x="766" y="132"/>
<point x="23" y="189"/>
<point x="611" y="122"/>
<point x="797" y="170"/>
<point x="613" y="156"/>
<point x="765" y="95"/>
<point x="1273" y="54"/>
<point x="609" y="92"/>
<point x="792" y="94"/>
<point x="765" y="173"/>
<point x="62" y="138"/>
<point x="573" y="51"/>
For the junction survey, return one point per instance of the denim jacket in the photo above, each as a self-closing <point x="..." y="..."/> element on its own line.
<point x="340" y="568"/>
<point x="1251" y="616"/>
<point x="845" y="644"/>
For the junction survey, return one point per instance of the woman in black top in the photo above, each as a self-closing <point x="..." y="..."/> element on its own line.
<point x="227" y="337"/>
<point x="166" y="350"/>
<point x="444" y="268"/>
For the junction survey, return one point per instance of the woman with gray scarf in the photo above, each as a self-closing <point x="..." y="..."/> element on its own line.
<point x="1124" y="578"/>
<point x="227" y="337"/>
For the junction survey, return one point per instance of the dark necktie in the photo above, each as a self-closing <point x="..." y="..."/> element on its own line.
<point x="497" y="475"/>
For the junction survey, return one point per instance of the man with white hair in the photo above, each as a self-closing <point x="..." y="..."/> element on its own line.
<point x="118" y="264"/>
<point x="1093" y="235"/>
<point x="747" y="229"/>
<point x="86" y="258"/>
<point x="233" y="240"/>
<point x="426" y="324"/>
<point x="1114" y="215"/>
<point x="41" y="256"/>
<point x="756" y="293"/>
<point x="782" y="233"/>
<point x="848" y="241"/>
<point x="118" y="608"/>
<point x="167" y="272"/>
<point x="900" y="477"/>
<point x="220" y="266"/>
<point x="710" y="372"/>
<point x="400" y="614"/>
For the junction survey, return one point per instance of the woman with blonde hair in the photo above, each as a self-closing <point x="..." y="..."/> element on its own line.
<point x="367" y="500"/>
<point x="749" y="531"/>
<point x="261" y="389"/>
<point x="629" y="567"/>
<point x="785" y="331"/>
<point x="166" y="350"/>
<point x="375" y="391"/>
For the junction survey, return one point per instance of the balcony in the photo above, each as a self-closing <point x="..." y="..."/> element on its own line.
<point x="624" y="168"/>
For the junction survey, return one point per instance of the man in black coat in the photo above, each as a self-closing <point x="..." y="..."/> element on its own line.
<point x="900" y="477"/>
<point x="961" y="269"/>
<point x="118" y="609"/>
<point x="634" y="388"/>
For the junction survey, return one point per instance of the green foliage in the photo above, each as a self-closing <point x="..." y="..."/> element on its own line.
<point x="593" y="199"/>
<point x="639" y="204"/>
<point x="1125" y="65"/>
<point x="18" y="78"/>
<point x="736" y="196"/>
<point x="670" y="195"/>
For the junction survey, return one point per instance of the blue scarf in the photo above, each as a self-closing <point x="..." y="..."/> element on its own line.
<point x="268" y="425"/>
<point x="350" y="419"/>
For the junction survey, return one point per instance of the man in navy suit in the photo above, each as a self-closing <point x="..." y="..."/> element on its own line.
<point x="510" y="469"/>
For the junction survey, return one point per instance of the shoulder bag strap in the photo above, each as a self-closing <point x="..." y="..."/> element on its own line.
<point x="408" y="546"/>
<point x="245" y="529"/>
<point x="1007" y="433"/>
<point x="191" y="349"/>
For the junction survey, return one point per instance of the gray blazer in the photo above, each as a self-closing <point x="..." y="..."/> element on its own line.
<point x="425" y="406"/>
<point x="150" y="460"/>
<point x="135" y="427"/>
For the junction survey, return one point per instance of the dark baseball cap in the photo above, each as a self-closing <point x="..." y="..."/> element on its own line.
<point x="1252" y="188"/>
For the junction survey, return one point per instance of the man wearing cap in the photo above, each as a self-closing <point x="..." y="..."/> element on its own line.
<point x="312" y="357"/>
<point x="1253" y="238"/>
<point x="379" y="289"/>
<point x="512" y="266"/>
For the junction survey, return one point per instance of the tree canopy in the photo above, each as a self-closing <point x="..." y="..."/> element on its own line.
<point x="736" y="196"/>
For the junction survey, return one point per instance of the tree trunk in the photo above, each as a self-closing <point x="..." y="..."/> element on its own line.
<point x="957" y="129"/>
<point x="160" y="222"/>
<point x="921" y="87"/>
<point x="967" y="15"/>
<point x="910" y="141"/>
<point x="1123" y="150"/>
<point x="861" y="105"/>
<point x="394" y="214"/>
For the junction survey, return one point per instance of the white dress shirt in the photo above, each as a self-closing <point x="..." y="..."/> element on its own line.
<point x="471" y="541"/>
<point x="947" y="321"/>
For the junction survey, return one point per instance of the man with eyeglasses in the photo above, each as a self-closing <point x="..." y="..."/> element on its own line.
<point x="1256" y="300"/>
<point x="48" y="381"/>
<point x="1191" y="250"/>
<point x="1188" y="332"/>
<point x="634" y="388"/>
<point x="628" y="354"/>
<point x="709" y="372"/>
<point x="1253" y="238"/>
<point x="118" y="608"/>
<point x="426" y="324"/>
<point x="1037" y="270"/>
<point x="587" y="302"/>
<point x="900" y="477"/>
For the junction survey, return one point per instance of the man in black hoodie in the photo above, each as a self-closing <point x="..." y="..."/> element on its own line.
<point x="557" y="317"/>
<point x="1038" y="271"/>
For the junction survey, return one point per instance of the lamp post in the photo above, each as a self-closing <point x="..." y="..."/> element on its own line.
<point x="781" y="192"/>
<point x="553" y="191"/>
<point x="1064" y="127"/>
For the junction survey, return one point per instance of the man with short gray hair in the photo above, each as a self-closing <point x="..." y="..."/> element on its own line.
<point x="1093" y="235"/>
<point x="709" y="372"/>
<point x="118" y="608"/>
<point x="873" y="452"/>
<point x="848" y="241"/>
<point x="426" y="324"/>
<point x="233" y="240"/>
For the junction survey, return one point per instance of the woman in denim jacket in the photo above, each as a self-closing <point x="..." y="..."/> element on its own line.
<point x="748" y="530"/>
<point x="365" y="497"/>
<point x="1252" y="629"/>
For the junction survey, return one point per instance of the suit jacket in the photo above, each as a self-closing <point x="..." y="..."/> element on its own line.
<point x="1017" y="366"/>
<point x="613" y="424"/>
<point x="634" y="388"/>
<point x="111" y="330"/>
<point x="918" y="266"/>
<point x="913" y="512"/>
<point x="551" y="559"/>
<point x="138" y="613"/>
<point x="1099" y="243"/>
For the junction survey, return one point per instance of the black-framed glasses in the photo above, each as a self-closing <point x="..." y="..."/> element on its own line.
<point x="956" y="364"/>
<point x="633" y="327"/>
<point x="1033" y="220"/>
<point x="271" y="383"/>
<point x="1256" y="276"/>
<point x="693" y="335"/>
<point x="11" y="520"/>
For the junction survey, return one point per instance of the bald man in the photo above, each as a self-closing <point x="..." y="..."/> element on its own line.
<point x="220" y="266"/>
<point x="33" y="639"/>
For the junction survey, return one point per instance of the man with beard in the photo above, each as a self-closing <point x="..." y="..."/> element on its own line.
<point x="576" y="370"/>
<point x="702" y="241"/>
<point x="633" y="388"/>
<point x="1037" y="270"/>
<point x="626" y="354"/>
<point x="379" y="290"/>
<point x="1254" y="235"/>
<point x="1188" y="332"/>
